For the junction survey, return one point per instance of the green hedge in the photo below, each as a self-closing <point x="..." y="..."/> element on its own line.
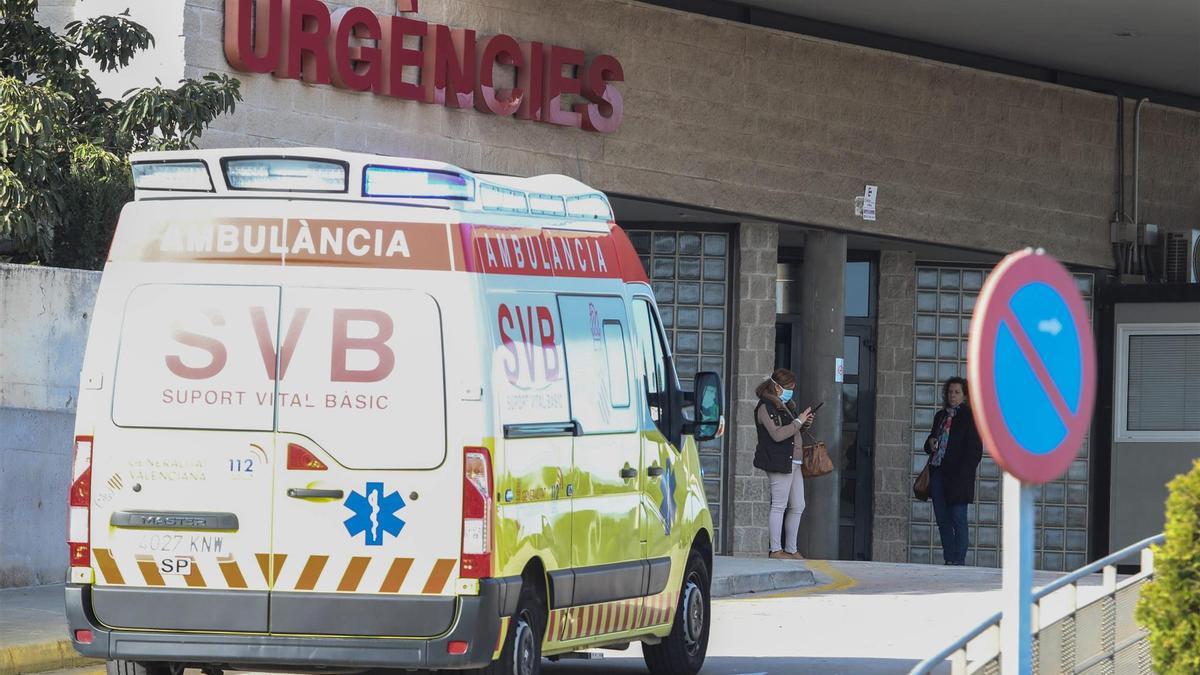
<point x="1170" y="604"/>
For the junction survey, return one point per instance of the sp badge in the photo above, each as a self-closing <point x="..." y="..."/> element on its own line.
<point x="374" y="514"/>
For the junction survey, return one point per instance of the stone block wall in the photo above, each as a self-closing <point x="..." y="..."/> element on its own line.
<point x="754" y="340"/>
<point x="893" y="406"/>
<point x="986" y="161"/>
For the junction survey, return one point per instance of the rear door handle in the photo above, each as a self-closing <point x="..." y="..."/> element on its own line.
<point x="655" y="471"/>
<point x="310" y="493"/>
<point x="628" y="472"/>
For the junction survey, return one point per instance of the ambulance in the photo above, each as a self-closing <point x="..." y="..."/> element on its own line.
<point x="342" y="412"/>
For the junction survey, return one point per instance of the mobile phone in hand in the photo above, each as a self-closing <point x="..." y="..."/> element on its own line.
<point x="817" y="407"/>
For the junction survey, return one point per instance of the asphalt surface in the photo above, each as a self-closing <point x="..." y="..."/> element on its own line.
<point x="860" y="618"/>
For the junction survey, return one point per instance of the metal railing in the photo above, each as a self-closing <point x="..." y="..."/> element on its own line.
<point x="1100" y="636"/>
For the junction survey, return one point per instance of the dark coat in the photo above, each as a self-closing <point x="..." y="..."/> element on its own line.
<point x="963" y="454"/>
<point x="771" y="455"/>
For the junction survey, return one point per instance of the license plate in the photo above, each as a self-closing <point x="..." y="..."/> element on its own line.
<point x="175" y="566"/>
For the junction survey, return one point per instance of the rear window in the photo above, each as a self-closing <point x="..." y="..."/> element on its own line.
<point x="360" y="372"/>
<point x="363" y="375"/>
<point x="190" y="358"/>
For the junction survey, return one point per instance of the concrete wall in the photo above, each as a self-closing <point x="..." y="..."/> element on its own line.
<point x="893" y="406"/>
<point x="44" y="319"/>
<point x="765" y="123"/>
<point x="1141" y="470"/>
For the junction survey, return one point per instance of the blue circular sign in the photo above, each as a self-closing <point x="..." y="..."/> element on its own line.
<point x="1032" y="367"/>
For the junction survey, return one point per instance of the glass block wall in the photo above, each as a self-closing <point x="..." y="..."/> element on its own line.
<point x="689" y="271"/>
<point x="946" y="297"/>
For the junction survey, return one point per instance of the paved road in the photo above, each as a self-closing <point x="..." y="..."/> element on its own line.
<point x="868" y="618"/>
<point x="861" y="618"/>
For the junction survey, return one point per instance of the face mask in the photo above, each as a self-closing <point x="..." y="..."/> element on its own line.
<point x="786" y="395"/>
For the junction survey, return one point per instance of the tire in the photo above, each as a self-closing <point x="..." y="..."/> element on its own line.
<point x="135" y="668"/>
<point x="522" y="652"/>
<point x="682" y="652"/>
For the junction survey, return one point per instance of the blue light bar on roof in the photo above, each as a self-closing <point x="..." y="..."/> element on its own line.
<point x="497" y="198"/>
<point x="189" y="175"/>
<point x="404" y="182"/>
<point x="589" y="206"/>
<point x="285" y="174"/>
<point x="546" y="205"/>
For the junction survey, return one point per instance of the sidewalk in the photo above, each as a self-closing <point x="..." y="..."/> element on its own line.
<point x="33" y="631"/>
<point x="738" y="576"/>
<point x="33" y="628"/>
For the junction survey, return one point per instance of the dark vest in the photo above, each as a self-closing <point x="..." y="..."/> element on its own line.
<point x="771" y="455"/>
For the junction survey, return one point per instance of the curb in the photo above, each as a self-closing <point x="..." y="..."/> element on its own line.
<point x="41" y="656"/>
<point x="738" y="584"/>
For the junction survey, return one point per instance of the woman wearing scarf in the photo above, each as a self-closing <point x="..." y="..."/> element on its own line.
<point x="955" y="451"/>
<point x="779" y="422"/>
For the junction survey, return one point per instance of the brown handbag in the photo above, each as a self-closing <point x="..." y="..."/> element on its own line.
<point x="921" y="484"/>
<point x="814" y="458"/>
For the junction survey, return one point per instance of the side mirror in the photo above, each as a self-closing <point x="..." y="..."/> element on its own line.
<point x="709" y="412"/>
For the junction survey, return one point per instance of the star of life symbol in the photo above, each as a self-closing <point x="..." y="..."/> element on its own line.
<point x="666" y="509"/>
<point x="374" y="514"/>
<point x="594" y="321"/>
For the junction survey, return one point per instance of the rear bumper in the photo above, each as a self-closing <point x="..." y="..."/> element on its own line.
<point x="476" y="622"/>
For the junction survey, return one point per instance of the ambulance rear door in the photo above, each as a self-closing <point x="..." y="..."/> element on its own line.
<point x="367" y="499"/>
<point x="181" y="504"/>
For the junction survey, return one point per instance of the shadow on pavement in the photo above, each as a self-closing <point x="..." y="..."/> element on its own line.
<point x="748" y="665"/>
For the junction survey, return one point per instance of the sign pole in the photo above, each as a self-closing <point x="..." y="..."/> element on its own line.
<point x="1016" y="644"/>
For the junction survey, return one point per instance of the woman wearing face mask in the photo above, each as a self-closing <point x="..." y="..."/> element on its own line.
<point x="955" y="451"/>
<point x="779" y="424"/>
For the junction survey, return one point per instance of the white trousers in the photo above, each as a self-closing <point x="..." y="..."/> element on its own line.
<point x="787" y="504"/>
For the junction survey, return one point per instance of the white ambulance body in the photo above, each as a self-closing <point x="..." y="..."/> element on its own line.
<point x="342" y="411"/>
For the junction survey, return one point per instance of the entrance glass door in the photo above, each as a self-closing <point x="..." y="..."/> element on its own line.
<point x="857" y="490"/>
<point x="858" y="431"/>
<point x="856" y="458"/>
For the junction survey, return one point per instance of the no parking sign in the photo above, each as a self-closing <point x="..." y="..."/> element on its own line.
<point x="1032" y="366"/>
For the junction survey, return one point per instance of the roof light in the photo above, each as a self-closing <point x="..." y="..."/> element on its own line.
<point x="589" y="206"/>
<point x="413" y="183"/>
<point x="191" y="176"/>
<point x="291" y="175"/>
<point x="497" y="198"/>
<point x="546" y="205"/>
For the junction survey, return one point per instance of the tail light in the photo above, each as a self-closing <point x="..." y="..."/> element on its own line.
<point x="300" y="459"/>
<point x="476" y="560"/>
<point x="80" y="504"/>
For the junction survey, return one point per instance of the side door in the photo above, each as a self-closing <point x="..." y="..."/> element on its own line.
<point x="182" y="479"/>
<point x="529" y="382"/>
<point x="662" y="496"/>
<point x="606" y="546"/>
<point x="367" y="499"/>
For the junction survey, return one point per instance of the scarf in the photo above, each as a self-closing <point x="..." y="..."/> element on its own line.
<point x="943" y="438"/>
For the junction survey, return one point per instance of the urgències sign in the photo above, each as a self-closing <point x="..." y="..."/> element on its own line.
<point x="356" y="49"/>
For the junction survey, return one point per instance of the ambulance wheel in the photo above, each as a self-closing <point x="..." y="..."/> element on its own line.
<point x="134" y="668"/>
<point x="522" y="653"/>
<point x="682" y="651"/>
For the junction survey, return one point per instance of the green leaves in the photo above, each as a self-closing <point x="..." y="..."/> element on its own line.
<point x="64" y="148"/>
<point x="111" y="41"/>
<point x="1170" y="604"/>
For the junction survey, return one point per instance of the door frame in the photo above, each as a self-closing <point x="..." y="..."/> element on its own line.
<point x="867" y="328"/>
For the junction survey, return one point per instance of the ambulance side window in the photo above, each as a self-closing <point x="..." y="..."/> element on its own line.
<point x="618" y="363"/>
<point x="652" y="369"/>
<point x="598" y="363"/>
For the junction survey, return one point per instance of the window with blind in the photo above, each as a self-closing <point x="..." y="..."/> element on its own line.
<point x="1161" y="376"/>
